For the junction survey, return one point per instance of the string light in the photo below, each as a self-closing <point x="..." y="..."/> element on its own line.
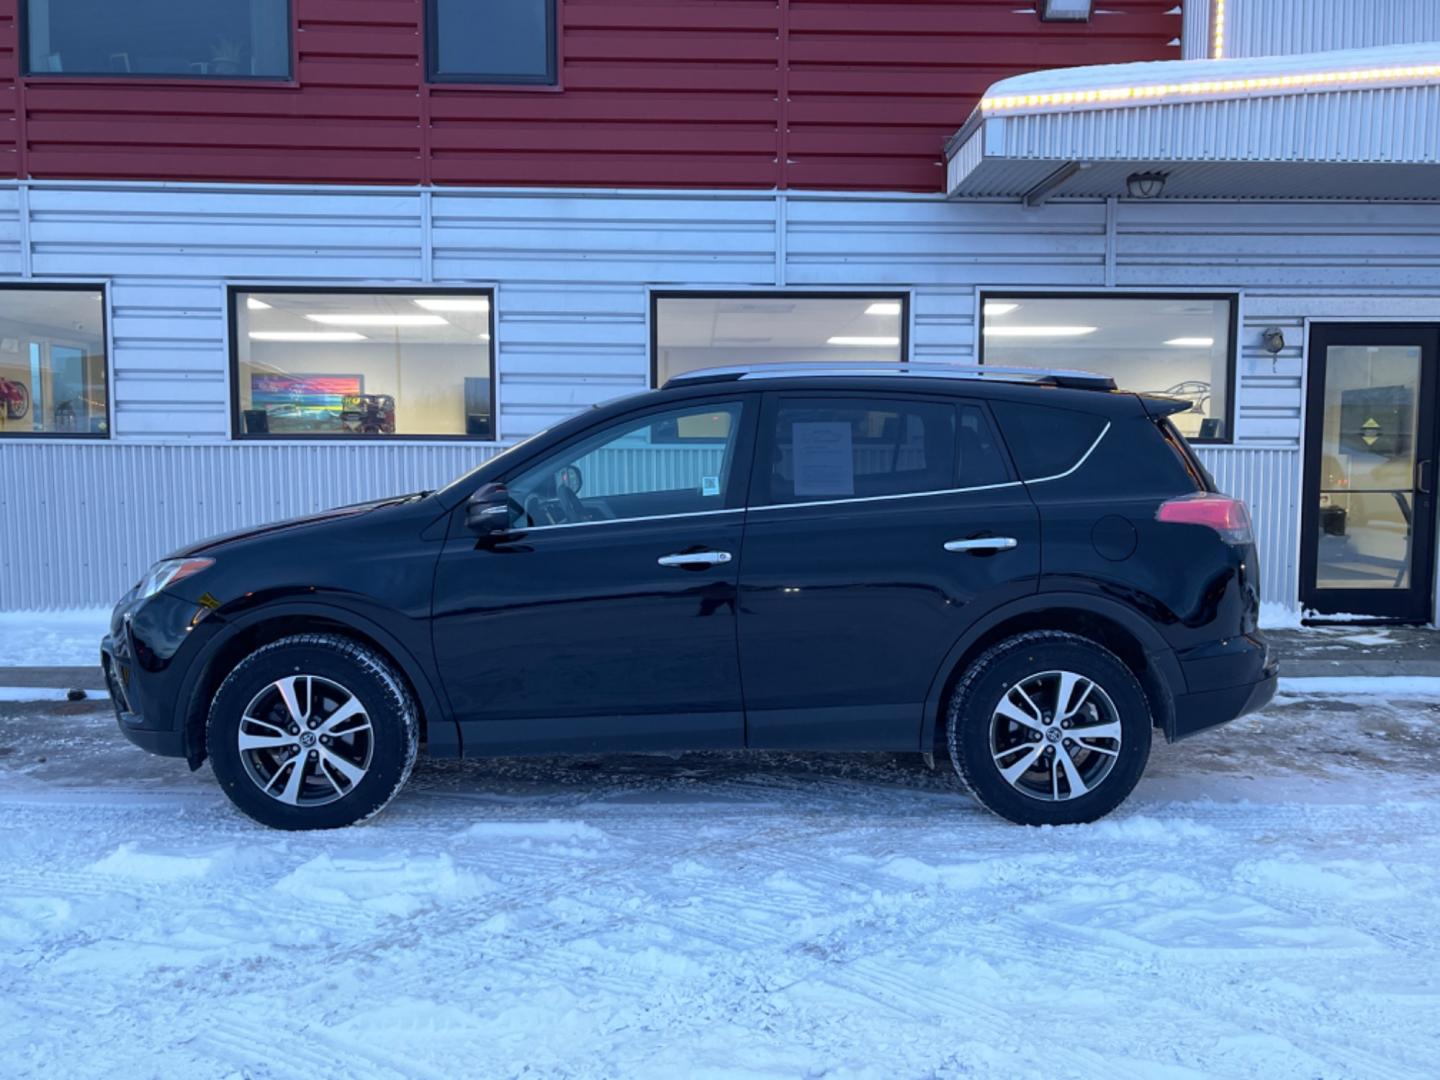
<point x="1217" y="29"/>
<point x="1206" y="87"/>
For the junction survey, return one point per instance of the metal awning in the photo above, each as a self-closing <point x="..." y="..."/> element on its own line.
<point x="1355" y="123"/>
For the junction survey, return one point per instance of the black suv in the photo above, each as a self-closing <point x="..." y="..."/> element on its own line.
<point x="1027" y="570"/>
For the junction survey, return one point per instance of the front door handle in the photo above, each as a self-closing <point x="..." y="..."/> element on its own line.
<point x="694" y="560"/>
<point x="983" y="543"/>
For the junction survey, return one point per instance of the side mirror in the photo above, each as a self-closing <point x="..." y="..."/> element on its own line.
<point x="488" y="511"/>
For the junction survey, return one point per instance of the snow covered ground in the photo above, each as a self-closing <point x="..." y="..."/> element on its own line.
<point x="1264" y="907"/>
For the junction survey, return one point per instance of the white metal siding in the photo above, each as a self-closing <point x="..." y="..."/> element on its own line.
<point x="573" y="271"/>
<point x="1286" y="27"/>
<point x="88" y="519"/>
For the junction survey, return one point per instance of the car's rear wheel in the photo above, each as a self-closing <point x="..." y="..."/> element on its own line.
<point x="1049" y="728"/>
<point x="313" y="731"/>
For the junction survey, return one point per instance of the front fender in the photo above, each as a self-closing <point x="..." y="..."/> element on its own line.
<point x="443" y="733"/>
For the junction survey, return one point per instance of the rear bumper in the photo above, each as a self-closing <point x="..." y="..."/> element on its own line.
<point x="1225" y="681"/>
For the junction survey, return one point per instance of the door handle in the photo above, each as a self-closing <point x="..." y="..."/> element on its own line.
<point x="694" y="560"/>
<point x="983" y="543"/>
<point x="1422" y="476"/>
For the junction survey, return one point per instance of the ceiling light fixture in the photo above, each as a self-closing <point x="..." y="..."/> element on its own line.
<point x="1145" y="185"/>
<point x="367" y="319"/>
<point x="255" y="304"/>
<point x="884" y="307"/>
<point x="863" y="342"/>
<point x="1191" y="342"/>
<point x="305" y="335"/>
<point x="996" y="307"/>
<point x="453" y="303"/>
<point x="1039" y="331"/>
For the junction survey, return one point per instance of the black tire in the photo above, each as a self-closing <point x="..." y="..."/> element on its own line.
<point x="994" y="676"/>
<point x="390" y="742"/>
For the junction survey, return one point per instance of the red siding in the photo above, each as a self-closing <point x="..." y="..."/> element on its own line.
<point x="654" y="93"/>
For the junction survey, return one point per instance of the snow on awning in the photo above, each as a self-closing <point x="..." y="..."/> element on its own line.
<point x="1354" y="123"/>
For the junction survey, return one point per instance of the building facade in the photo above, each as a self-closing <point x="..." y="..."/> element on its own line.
<point x="265" y="258"/>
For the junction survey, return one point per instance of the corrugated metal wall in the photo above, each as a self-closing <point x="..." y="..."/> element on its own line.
<point x="79" y="524"/>
<point x="573" y="270"/>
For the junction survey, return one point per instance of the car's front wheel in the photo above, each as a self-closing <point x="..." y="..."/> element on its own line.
<point x="313" y="731"/>
<point x="1049" y="728"/>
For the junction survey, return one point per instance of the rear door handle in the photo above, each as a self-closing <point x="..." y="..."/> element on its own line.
<point x="983" y="543"/>
<point x="693" y="560"/>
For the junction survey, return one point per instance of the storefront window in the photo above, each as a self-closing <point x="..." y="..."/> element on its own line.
<point x="52" y="362"/>
<point x="216" y="39"/>
<point x="694" y="332"/>
<point x="371" y="364"/>
<point x="1175" y="345"/>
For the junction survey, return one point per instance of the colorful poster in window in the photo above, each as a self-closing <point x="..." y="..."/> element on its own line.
<point x="303" y="402"/>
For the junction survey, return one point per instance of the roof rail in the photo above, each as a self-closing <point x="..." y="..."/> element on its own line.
<point x="1078" y="380"/>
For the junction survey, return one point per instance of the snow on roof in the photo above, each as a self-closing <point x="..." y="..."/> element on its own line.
<point x="1139" y="83"/>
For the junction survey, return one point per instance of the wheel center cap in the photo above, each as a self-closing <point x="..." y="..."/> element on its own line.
<point x="1053" y="734"/>
<point x="307" y="739"/>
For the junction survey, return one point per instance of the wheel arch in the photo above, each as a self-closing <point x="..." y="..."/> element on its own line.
<point x="244" y="634"/>
<point x="1107" y="622"/>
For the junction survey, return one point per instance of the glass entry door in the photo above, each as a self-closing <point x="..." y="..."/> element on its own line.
<point x="1368" y="524"/>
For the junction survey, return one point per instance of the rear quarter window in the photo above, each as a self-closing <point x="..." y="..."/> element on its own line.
<point x="1046" y="441"/>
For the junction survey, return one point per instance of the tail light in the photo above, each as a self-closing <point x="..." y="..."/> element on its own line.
<point x="1225" y="515"/>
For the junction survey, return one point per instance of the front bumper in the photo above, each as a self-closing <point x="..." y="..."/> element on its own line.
<point x="139" y="658"/>
<point x="1225" y="681"/>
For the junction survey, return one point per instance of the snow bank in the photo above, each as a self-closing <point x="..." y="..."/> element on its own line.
<point x="52" y="638"/>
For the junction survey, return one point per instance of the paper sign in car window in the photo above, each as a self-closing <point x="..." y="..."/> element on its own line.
<point x="824" y="458"/>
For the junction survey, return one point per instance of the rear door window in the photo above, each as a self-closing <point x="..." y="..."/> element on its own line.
<point x="857" y="448"/>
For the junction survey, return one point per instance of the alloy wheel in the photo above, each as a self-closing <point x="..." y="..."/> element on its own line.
<point x="305" y="740"/>
<point x="1055" y="736"/>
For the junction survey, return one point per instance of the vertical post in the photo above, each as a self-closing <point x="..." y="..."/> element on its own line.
<point x="1112" y="208"/>
<point x="782" y="255"/>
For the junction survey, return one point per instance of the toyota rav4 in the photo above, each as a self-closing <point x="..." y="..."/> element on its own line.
<point x="1028" y="572"/>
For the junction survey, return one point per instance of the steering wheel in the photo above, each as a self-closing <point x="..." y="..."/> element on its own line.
<point x="570" y="503"/>
<point x="535" y="511"/>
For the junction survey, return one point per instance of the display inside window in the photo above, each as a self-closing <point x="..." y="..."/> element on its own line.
<point x="52" y="362"/>
<point x="218" y="39"/>
<point x="1173" y="345"/>
<point x="499" y="41"/>
<point x="693" y="332"/>
<point x="352" y="364"/>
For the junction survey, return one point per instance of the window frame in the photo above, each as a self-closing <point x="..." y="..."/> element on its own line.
<point x="143" y="77"/>
<point x="1233" y="329"/>
<point x="103" y="288"/>
<point x="233" y="292"/>
<point x="657" y="295"/>
<point x="550" y="81"/>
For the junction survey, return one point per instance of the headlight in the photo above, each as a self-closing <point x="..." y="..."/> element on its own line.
<point x="164" y="574"/>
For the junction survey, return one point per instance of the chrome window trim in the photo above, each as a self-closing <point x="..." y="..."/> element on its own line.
<point x="885" y="498"/>
<point x="831" y="502"/>
<point x="1083" y="458"/>
<point x="624" y="521"/>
